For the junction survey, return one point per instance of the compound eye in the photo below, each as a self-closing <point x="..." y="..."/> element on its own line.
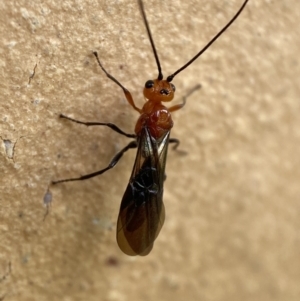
<point x="173" y="87"/>
<point x="149" y="84"/>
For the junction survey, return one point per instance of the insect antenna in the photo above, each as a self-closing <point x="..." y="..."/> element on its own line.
<point x="170" y="77"/>
<point x="160" y="75"/>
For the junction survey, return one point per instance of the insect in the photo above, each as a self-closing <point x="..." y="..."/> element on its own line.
<point x="142" y="211"/>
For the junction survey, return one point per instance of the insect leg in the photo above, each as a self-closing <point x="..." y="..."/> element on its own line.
<point x="176" y="141"/>
<point x="113" y="162"/>
<point x="176" y="144"/>
<point x="126" y="92"/>
<point x="184" y="98"/>
<point x="108" y="124"/>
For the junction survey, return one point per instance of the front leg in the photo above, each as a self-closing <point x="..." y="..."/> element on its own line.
<point x="126" y="92"/>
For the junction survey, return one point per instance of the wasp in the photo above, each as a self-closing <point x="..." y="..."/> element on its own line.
<point x="142" y="211"/>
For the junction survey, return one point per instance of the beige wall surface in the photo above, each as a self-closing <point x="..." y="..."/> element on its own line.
<point x="232" y="197"/>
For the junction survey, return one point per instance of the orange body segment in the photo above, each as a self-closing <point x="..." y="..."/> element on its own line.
<point x="156" y="118"/>
<point x="154" y="115"/>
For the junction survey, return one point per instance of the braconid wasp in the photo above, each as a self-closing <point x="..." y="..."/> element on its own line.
<point x="142" y="211"/>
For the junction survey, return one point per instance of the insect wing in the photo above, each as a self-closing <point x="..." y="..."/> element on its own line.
<point x="142" y="211"/>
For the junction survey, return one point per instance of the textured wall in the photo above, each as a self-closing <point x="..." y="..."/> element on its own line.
<point x="232" y="202"/>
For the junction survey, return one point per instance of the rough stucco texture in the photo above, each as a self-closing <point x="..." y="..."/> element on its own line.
<point x="232" y="197"/>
